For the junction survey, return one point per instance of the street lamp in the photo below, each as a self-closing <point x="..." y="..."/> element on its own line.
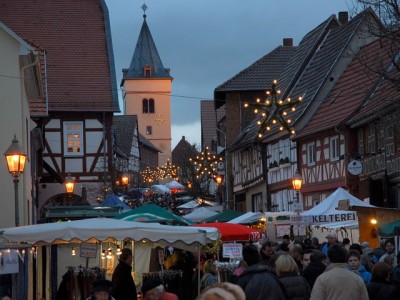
<point x="297" y="181"/>
<point x="69" y="186"/>
<point x="15" y="158"/>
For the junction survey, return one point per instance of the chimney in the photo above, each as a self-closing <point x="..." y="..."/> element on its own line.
<point x="183" y="137"/>
<point x="287" y="42"/>
<point x="343" y="17"/>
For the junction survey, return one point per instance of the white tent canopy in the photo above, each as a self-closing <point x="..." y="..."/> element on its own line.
<point x="326" y="212"/>
<point x="247" y="218"/>
<point x="200" y="214"/>
<point x="159" y="188"/>
<point x="104" y="229"/>
<point x="174" y="185"/>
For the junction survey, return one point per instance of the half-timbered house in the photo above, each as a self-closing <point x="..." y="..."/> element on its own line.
<point x="334" y="43"/>
<point x="245" y="180"/>
<point x="81" y="94"/>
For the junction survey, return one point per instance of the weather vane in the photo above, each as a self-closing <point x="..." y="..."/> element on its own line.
<point x="144" y="8"/>
<point x="273" y="111"/>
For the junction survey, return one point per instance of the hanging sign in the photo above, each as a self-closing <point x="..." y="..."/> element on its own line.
<point x="232" y="250"/>
<point x="354" y="167"/>
<point x="88" y="250"/>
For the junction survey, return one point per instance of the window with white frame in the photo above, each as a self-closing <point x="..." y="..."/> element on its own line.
<point x="334" y="148"/>
<point x="73" y="138"/>
<point x="311" y="153"/>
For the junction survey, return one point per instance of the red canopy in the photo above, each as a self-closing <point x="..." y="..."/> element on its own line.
<point x="233" y="232"/>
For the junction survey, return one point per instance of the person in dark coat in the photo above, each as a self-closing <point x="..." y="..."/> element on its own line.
<point x="315" y="268"/>
<point x="257" y="281"/>
<point x="380" y="288"/>
<point x="124" y="287"/>
<point x="296" y="286"/>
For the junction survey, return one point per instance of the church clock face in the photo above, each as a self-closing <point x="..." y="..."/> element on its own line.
<point x="159" y="119"/>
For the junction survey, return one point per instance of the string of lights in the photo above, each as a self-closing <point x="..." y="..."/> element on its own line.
<point x="273" y="111"/>
<point x="206" y="164"/>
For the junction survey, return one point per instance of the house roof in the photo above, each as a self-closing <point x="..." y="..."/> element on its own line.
<point x="384" y="94"/>
<point x="145" y="54"/>
<point x="259" y="75"/>
<point x="350" y="91"/>
<point x="319" y="67"/>
<point x="79" y="58"/>
<point x="296" y="64"/>
<point x="146" y="143"/>
<point x="124" y="129"/>
<point x="182" y="150"/>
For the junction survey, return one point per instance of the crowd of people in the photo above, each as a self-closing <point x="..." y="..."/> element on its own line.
<point x="290" y="270"/>
<point x="309" y="270"/>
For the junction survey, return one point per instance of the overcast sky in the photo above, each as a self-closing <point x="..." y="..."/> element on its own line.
<point x="206" y="42"/>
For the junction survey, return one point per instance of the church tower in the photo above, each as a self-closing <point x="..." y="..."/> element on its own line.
<point x="147" y="92"/>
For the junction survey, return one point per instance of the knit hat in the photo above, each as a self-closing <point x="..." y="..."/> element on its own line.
<point x="150" y="284"/>
<point x="332" y="235"/>
<point x="102" y="285"/>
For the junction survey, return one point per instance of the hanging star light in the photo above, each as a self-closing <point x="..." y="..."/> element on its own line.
<point x="273" y="111"/>
<point x="148" y="174"/>
<point x="169" y="170"/>
<point x="206" y="164"/>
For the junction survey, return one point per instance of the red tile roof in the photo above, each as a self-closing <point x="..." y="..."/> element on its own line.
<point x="75" y="35"/>
<point x="350" y="91"/>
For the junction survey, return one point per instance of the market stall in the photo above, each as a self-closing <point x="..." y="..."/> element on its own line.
<point x="96" y="235"/>
<point x="200" y="214"/>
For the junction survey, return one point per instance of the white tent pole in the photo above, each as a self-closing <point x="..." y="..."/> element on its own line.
<point x="198" y="269"/>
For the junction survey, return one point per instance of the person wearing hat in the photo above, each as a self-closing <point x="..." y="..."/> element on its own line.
<point x="124" y="287"/>
<point x="101" y="290"/>
<point x="153" y="289"/>
<point x="332" y="240"/>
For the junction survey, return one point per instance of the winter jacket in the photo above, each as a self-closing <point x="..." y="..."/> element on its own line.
<point x="124" y="287"/>
<point x="338" y="282"/>
<point x="207" y="280"/>
<point x="382" y="291"/>
<point x="365" y="275"/>
<point x="260" y="284"/>
<point x="313" y="270"/>
<point x="296" y="286"/>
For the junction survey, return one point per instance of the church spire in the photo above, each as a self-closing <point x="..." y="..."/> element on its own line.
<point x="146" y="62"/>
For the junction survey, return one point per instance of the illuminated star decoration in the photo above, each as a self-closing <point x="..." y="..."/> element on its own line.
<point x="148" y="174"/>
<point x="273" y="111"/>
<point x="169" y="170"/>
<point x="206" y="164"/>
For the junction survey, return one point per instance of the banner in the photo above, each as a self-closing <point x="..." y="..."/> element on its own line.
<point x="324" y="219"/>
<point x="9" y="261"/>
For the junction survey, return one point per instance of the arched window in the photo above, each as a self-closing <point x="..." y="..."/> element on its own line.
<point x="145" y="106"/>
<point x="151" y="106"/>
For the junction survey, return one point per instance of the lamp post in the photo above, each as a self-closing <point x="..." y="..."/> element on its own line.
<point x="16" y="159"/>
<point x="297" y="182"/>
<point x="69" y="187"/>
<point x="225" y="171"/>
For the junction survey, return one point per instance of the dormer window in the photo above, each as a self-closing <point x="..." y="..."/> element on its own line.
<point x="147" y="71"/>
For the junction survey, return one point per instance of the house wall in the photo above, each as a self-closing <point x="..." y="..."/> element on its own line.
<point x="14" y="119"/>
<point x="135" y="90"/>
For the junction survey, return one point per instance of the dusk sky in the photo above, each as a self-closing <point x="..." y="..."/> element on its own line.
<point x="206" y="42"/>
